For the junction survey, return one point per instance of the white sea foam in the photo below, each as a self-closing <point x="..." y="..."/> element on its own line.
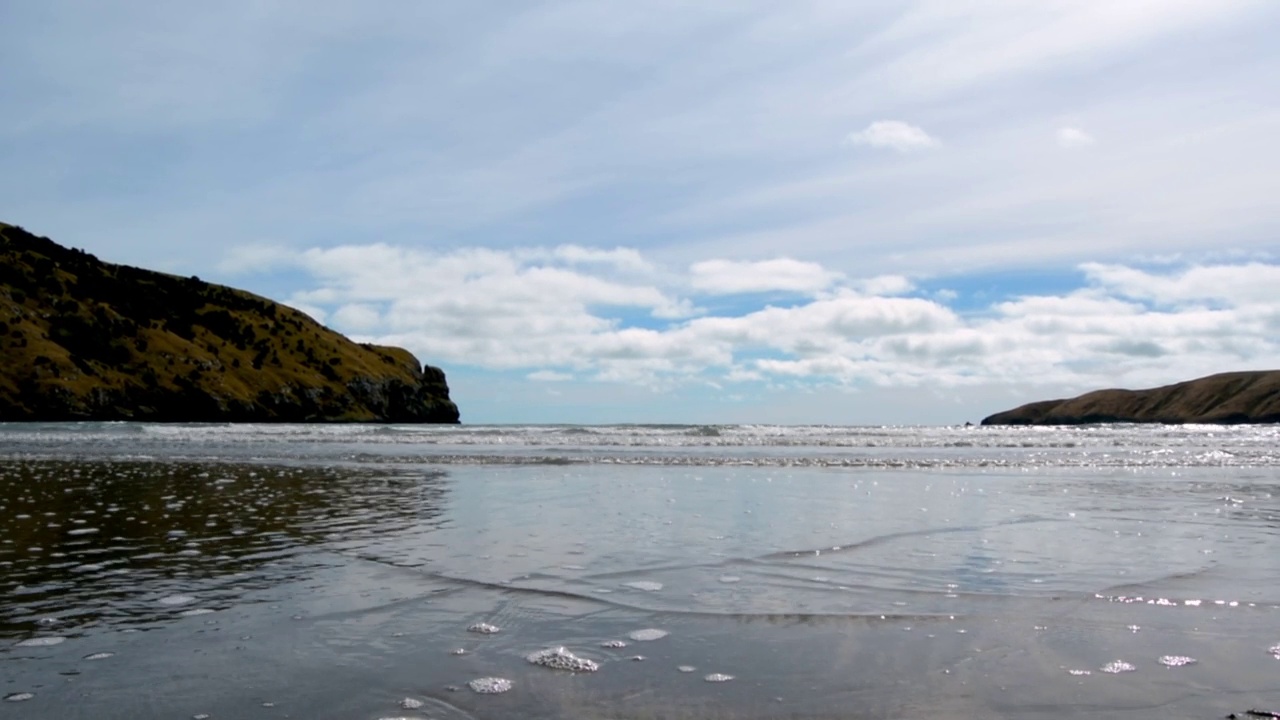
<point x="490" y="685"/>
<point x="718" y="678"/>
<point x="647" y="634"/>
<point x="484" y="628"/>
<point x="559" y="658"/>
<point x="1118" y="666"/>
<point x="1176" y="660"/>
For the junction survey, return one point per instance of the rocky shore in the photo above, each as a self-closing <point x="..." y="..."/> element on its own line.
<point x="81" y="339"/>
<point x="1227" y="398"/>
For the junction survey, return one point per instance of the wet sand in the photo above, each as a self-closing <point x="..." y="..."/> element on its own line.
<point x="261" y="590"/>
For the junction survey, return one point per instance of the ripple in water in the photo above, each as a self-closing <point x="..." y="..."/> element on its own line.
<point x="647" y="634"/>
<point x="42" y="641"/>
<point x="99" y="656"/>
<point x="558" y="658"/>
<point x="730" y="578"/>
<point x="176" y="600"/>
<point x="19" y="696"/>
<point x="1118" y="666"/>
<point x="489" y="685"/>
<point x="646" y="585"/>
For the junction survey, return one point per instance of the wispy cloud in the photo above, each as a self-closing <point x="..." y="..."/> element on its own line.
<point x="893" y="134"/>
<point x="1070" y="137"/>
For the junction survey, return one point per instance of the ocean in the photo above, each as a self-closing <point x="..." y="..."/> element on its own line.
<point x="638" y="571"/>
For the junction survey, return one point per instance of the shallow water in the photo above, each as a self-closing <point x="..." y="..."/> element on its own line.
<point x="337" y="571"/>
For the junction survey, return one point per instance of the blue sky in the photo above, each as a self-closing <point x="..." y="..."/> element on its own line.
<point x="873" y="212"/>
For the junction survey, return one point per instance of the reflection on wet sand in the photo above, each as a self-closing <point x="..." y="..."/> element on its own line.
<point x="133" y="543"/>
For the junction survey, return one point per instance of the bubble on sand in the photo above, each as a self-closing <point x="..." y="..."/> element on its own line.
<point x="19" y="697"/>
<point x="99" y="656"/>
<point x="558" y="658"/>
<point x="1176" y="660"/>
<point x="176" y="600"/>
<point x="613" y="644"/>
<point x="42" y="641"/>
<point x="718" y="678"/>
<point x="410" y="703"/>
<point x="489" y="685"/>
<point x="1118" y="666"/>
<point x="647" y="634"/>
<point x="484" y="628"/>
<point x="646" y="585"/>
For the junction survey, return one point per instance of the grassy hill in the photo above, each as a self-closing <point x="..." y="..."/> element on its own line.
<point x="81" y="339"/>
<point x="1236" y="397"/>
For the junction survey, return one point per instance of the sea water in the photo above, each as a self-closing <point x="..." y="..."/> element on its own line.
<point x="288" y="571"/>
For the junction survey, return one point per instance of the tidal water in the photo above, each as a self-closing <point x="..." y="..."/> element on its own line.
<point x="368" y="572"/>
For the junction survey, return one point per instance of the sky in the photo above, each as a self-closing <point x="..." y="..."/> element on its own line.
<point x="810" y="211"/>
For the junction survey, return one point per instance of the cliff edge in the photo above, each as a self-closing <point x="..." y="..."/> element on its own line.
<point x="1227" y="398"/>
<point x="81" y="339"/>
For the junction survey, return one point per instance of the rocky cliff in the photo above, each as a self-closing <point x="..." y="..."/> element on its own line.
<point x="81" y="339"/>
<point x="1228" y="398"/>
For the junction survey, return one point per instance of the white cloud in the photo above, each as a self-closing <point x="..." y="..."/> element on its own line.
<point x="893" y="134"/>
<point x="549" y="376"/>
<point x="621" y="258"/>
<point x="1239" y="285"/>
<point x="356" y="318"/>
<point x="1070" y="137"/>
<point x="883" y="285"/>
<point x="535" y="310"/>
<point x="726" y="277"/>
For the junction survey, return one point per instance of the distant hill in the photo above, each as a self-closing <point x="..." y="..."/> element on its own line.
<point x="81" y="339"/>
<point x="1228" y="398"/>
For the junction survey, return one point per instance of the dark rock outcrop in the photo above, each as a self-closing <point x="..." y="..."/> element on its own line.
<point x="81" y="339"/>
<point x="1228" y="398"/>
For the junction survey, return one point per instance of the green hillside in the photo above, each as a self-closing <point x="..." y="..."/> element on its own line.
<point x="81" y="339"/>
